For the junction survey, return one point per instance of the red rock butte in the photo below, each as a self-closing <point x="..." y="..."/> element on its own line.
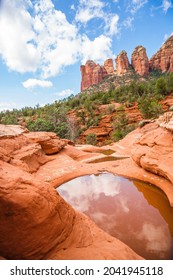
<point x="93" y="74"/>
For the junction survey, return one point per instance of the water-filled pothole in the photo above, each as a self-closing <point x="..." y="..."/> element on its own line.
<point x="106" y="158"/>
<point x="134" y="212"/>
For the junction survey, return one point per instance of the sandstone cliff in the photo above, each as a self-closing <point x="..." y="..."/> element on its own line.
<point x="122" y="63"/>
<point x="93" y="74"/>
<point x="163" y="59"/>
<point x="109" y="67"/>
<point x="140" y="61"/>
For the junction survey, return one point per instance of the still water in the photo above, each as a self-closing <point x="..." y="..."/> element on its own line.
<point x="134" y="212"/>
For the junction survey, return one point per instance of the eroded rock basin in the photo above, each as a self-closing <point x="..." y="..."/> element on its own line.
<point x="137" y="213"/>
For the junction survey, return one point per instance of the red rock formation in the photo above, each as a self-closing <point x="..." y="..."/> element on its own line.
<point x="163" y="59"/>
<point x="140" y="61"/>
<point x="122" y="63"/>
<point x="35" y="222"/>
<point x="99" y="72"/>
<point x="92" y="74"/>
<point x="154" y="151"/>
<point x="108" y="65"/>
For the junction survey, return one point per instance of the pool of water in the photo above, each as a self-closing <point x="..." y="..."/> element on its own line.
<point x="106" y="158"/>
<point x="134" y="212"/>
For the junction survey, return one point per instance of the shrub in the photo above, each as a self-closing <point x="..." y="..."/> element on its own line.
<point x="161" y="86"/>
<point x="91" y="139"/>
<point x="149" y="107"/>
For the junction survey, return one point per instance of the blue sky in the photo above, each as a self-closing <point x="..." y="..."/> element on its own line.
<point x="44" y="42"/>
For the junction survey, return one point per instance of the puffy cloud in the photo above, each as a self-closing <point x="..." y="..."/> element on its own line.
<point x="31" y="83"/>
<point x="112" y="25"/>
<point x="89" y="9"/>
<point x="35" y="37"/>
<point x="166" y="5"/>
<point x="15" y="37"/>
<point x="99" y="49"/>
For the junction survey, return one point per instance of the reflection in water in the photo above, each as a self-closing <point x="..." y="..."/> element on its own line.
<point x="135" y="212"/>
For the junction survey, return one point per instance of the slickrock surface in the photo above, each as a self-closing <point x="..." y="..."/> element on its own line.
<point x="163" y="59"/>
<point x="140" y="61"/>
<point x="122" y="63"/>
<point x="35" y="222"/>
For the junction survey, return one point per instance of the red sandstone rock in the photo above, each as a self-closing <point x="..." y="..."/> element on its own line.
<point x="108" y="65"/>
<point x="122" y="63"/>
<point x="99" y="73"/>
<point x="140" y="61"/>
<point x="154" y="151"/>
<point x="92" y="74"/>
<point x="163" y="59"/>
<point x="49" y="141"/>
<point x="35" y="222"/>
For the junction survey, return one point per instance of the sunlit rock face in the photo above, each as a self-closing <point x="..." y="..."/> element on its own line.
<point x="92" y="74"/>
<point x="163" y="59"/>
<point x="154" y="150"/>
<point x="122" y="63"/>
<point x="140" y="61"/>
<point x="108" y="65"/>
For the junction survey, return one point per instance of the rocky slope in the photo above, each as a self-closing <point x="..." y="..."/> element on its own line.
<point x="93" y="74"/>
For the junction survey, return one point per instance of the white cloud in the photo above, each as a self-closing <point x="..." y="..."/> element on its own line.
<point x="166" y="5"/>
<point x="128" y="22"/>
<point x="15" y="36"/>
<point x="64" y="93"/>
<point x="135" y="5"/>
<point x="99" y="49"/>
<point x="112" y="25"/>
<point x="31" y="83"/>
<point x="35" y="37"/>
<point x="89" y="9"/>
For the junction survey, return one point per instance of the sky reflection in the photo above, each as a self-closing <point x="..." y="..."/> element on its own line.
<point x="136" y="213"/>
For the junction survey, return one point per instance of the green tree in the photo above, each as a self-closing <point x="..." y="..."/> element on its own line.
<point x="169" y="83"/>
<point x="149" y="107"/>
<point x="40" y="124"/>
<point x="161" y="86"/>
